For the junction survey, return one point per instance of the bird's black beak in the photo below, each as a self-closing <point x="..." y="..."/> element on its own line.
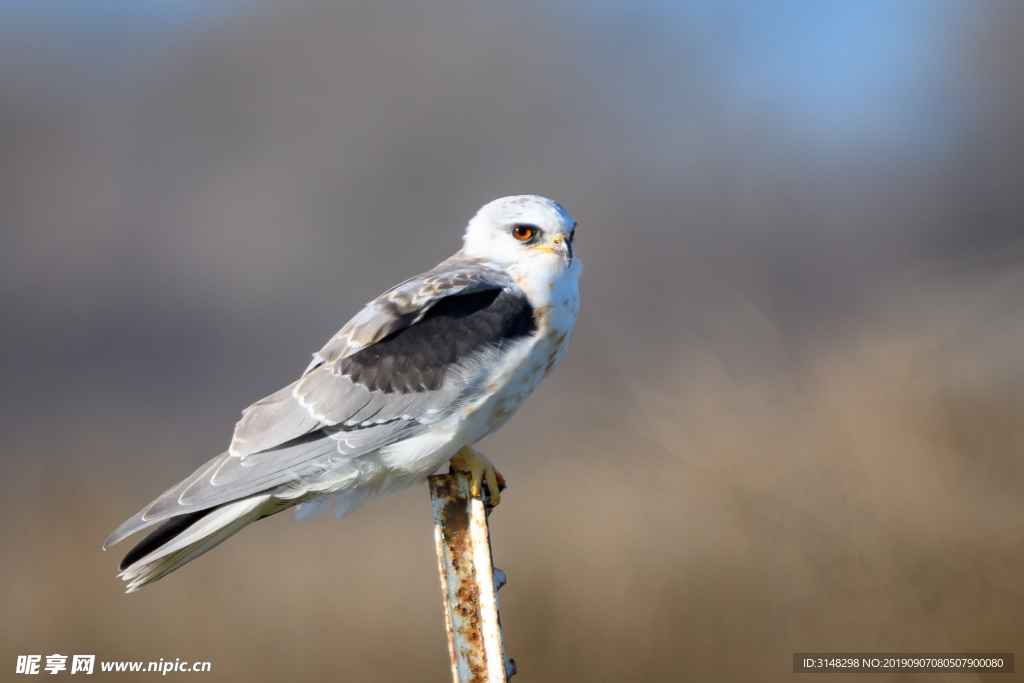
<point x="562" y="246"/>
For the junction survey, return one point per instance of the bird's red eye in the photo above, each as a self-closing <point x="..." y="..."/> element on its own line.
<point x="523" y="232"/>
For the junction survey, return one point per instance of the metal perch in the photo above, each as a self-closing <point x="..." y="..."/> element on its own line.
<point x="469" y="582"/>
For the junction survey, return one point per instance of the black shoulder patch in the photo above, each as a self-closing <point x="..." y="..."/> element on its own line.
<point x="415" y="358"/>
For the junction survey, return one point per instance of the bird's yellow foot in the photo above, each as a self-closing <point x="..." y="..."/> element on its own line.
<point x="481" y="471"/>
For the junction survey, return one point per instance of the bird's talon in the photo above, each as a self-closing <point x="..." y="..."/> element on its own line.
<point x="480" y="471"/>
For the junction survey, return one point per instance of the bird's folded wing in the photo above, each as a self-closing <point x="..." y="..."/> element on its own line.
<point x="388" y="386"/>
<point x="407" y="303"/>
<point x="334" y="391"/>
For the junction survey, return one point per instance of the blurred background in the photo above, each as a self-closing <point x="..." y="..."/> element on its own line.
<point x="792" y="415"/>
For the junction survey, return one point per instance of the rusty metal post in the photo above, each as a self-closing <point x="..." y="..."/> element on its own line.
<point x="469" y="582"/>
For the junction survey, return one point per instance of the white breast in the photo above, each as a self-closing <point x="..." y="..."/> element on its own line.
<point x="518" y="372"/>
<point x="505" y="378"/>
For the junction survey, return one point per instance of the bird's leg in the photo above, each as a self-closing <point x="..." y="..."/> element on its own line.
<point x="480" y="470"/>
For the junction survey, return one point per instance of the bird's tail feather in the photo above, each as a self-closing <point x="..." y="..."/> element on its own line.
<point x="184" y="538"/>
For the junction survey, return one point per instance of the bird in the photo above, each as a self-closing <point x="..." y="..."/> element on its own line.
<point x="415" y="379"/>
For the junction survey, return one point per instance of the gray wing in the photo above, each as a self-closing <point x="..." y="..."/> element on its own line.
<point x="384" y="377"/>
<point x="325" y="396"/>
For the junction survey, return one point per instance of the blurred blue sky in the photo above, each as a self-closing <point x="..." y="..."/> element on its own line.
<point x="869" y="69"/>
<point x="843" y="73"/>
<point x="84" y="22"/>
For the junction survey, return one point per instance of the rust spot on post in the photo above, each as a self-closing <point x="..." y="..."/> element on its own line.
<point x="469" y="582"/>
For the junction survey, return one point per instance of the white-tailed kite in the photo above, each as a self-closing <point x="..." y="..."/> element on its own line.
<point x="423" y="372"/>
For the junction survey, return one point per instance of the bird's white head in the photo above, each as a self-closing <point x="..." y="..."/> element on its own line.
<point x="525" y="231"/>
